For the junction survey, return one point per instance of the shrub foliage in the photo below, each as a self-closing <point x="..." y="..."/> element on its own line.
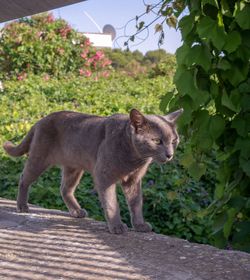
<point x="41" y="44"/>
<point x="213" y="84"/>
<point x="172" y="200"/>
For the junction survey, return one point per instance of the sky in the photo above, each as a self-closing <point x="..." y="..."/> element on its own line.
<point x="118" y="13"/>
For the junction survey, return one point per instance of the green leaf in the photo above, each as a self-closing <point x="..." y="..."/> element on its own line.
<point x="238" y="73"/>
<point x="224" y="64"/>
<point x="242" y="232"/>
<point x="201" y="120"/>
<point x="171" y="195"/>
<point x="187" y="104"/>
<point x="214" y="88"/>
<point x="196" y="170"/>
<point x="199" y="55"/>
<point x="182" y="53"/>
<point x="165" y="101"/>
<point x="233" y="41"/>
<point x="219" y="222"/>
<point x="219" y="191"/>
<point x="204" y="141"/>
<point x="210" y="2"/>
<point x="216" y="126"/>
<point x="245" y="165"/>
<point x="186" y="24"/>
<point x="240" y="125"/>
<point x="208" y="29"/>
<point x="229" y="222"/>
<point x="242" y="144"/>
<point x="219" y="239"/>
<point x="242" y="13"/>
<point x="185" y="82"/>
<point x="187" y="159"/>
<point x="225" y="8"/>
<point x="227" y="102"/>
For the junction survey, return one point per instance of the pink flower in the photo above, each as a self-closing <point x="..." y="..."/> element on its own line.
<point x="46" y="77"/>
<point x="99" y="55"/>
<point x="81" y="71"/>
<point x="106" y="62"/>
<point x="87" y="42"/>
<point x="87" y="73"/>
<point x="87" y="63"/>
<point x="90" y="60"/>
<point x="50" y="18"/>
<point x="84" y="54"/>
<point x="105" y="74"/>
<point x="64" y="31"/>
<point x="21" y="76"/>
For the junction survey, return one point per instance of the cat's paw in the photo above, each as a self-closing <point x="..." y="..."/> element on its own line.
<point x="145" y="227"/>
<point x="78" y="213"/>
<point x="118" y="228"/>
<point x="22" y="208"/>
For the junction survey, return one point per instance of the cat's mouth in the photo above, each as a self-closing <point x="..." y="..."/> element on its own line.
<point x="162" y="160"/>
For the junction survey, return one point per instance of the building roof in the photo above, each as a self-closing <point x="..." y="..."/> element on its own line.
<point x="13" y="9"/>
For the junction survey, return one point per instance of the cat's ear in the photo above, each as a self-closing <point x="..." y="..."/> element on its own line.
<point x="172" y="117"/>
<point x="138" y="121"/>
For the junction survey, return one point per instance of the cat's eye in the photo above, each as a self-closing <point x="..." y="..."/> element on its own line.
<point x="157" y="141"/>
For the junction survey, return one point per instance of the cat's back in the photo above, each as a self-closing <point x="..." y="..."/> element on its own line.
<point x="67" y="125"/>
<point x="67" y="119"/>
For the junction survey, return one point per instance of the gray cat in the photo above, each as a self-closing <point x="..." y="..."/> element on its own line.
<point x="113" y="149"/>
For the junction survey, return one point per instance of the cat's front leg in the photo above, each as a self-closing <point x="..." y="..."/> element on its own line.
<point x="107" y="196"/>
<point x="133" y="193"/>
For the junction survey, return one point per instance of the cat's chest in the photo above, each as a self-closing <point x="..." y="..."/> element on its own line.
<point x="136" y="173"/>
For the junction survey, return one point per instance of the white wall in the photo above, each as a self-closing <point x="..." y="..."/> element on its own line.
<point x="99" y="39"/>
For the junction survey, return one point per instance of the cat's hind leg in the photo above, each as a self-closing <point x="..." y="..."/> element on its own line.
<point x="70" y="179"/>
<point x="34" y="167"/>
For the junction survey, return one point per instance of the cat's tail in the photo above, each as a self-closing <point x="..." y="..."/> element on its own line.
<point x="22" y="148"/>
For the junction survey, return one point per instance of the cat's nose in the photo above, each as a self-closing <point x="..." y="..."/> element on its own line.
<point x="169" y="156"/>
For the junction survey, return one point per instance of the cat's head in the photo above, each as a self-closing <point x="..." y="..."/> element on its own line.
<point x="155" y="136"/>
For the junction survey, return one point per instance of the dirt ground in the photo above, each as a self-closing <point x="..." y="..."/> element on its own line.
<point x="48" y="244"/>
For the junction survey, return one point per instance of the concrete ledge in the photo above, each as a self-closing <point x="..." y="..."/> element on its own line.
<point x="48" y="244"/>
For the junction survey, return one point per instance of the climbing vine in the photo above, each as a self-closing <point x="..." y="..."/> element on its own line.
<point x="213" y="86"/>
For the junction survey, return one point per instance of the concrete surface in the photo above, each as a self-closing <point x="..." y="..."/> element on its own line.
<point x="48" y="244"/>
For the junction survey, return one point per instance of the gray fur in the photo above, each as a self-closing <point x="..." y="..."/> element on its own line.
<point x="113" y="149"/>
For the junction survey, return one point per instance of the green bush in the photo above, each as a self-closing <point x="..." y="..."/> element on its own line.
<point x="42" y="44"/>
<point x="172" y="201"/>
<point x="213" y="84"/>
